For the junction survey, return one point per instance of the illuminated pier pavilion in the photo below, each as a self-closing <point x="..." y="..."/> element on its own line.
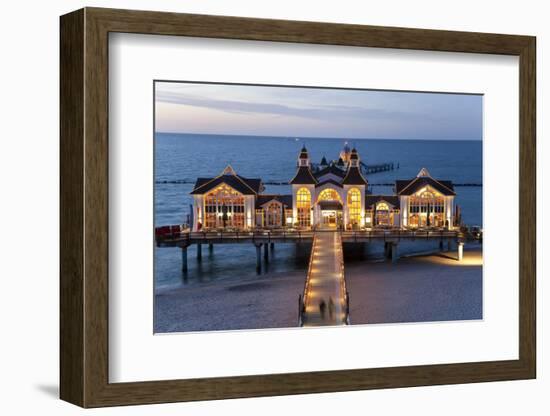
<point x="326" y="195"/>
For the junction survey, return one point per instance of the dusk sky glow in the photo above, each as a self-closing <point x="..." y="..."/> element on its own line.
<point x="315" y="112"/>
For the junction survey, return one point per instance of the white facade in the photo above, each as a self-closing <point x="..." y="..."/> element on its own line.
<point x="334" y="196"/>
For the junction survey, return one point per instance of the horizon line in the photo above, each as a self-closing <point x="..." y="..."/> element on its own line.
<point x="316" y="137"/>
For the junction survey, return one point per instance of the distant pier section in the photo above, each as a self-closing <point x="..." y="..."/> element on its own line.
<point x="365" y="169"/>
<point x="382" y="167"/>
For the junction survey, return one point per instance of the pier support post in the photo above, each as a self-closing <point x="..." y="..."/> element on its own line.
<point x="394" y="253"/>
<point x="460" y="250"/>
<point x="184" y="259"/>
<point x="266" y="252"/>
<point x="258" y="258"/>
<point x="272" y="246"/>
<point x="386" y="251"/>
<point x="441" y="245"/>
<point x="199" y="252"/>
<point x="210" y="247"/>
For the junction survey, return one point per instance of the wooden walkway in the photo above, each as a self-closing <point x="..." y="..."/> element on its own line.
<point x="325" y="283"/>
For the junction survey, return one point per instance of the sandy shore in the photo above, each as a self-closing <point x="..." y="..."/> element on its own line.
<point x="416" y="289"/>
<point x="269" y="301"/>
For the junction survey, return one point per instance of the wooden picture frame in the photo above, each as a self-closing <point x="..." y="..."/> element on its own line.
<point x="84" y="207"/>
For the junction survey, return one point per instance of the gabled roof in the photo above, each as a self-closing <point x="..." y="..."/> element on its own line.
<point x="286" y="200"/>
<point x="303" y="177"/>
<point x="423" y="179"/>
<point x="330" y="169"/>
<point x="354" y="177"/>
<point x="331" y="181"/>
<point x="370" y="200"/>
<point x="239" y="183"/>
<point x="413" y="185"/>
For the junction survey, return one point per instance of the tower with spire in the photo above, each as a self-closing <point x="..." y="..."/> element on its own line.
<point x="353" y="181"/>
<point x="303" y="176"/>
<point x="303" y="189"/>
<point x="353" y="173"/>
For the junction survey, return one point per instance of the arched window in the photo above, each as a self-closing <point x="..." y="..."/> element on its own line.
<point x="224" y="207"/>
<point x="427" y="209"/>
<point x="303" y="205"/>
<point x="354" y="206"/>
<point x="383" y="214"/>
<point x="273" y="215"/>
<point x="329" y="194"/>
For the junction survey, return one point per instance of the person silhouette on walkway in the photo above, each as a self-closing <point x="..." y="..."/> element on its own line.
<point x="322" y="308"/>
<point x="330" y="308"/>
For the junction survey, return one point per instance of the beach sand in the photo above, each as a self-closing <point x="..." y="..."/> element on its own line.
<point x="269" y="301"/>
<point x="416" y="289"/>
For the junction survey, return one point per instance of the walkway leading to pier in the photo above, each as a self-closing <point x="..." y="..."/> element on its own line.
<point x="325" y="282"/>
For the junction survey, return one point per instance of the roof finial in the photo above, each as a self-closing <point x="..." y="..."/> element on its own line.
<point x="423" y="173"/>
<point x="229" y="171"/>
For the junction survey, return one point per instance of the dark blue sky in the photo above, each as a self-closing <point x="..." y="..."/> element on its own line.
<point x="314" y="112"/>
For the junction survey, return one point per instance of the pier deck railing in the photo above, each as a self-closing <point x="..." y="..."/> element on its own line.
<point x="343" y="285"/>
<point x="268" y="236"/>
<point x="303" y="299"/>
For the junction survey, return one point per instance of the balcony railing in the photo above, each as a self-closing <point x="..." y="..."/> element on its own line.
<point x="175" y="234"/>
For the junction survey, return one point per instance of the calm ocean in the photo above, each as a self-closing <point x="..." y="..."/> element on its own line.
<point x="184" y="157"/>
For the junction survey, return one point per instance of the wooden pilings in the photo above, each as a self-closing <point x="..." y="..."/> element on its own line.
<point x="184" y="259"/>
<point x="391" y="251"/>
<point x="394" y="252"/>
<point x="267" y="248"/>
<point x="445" y="243"/>
<point x="386" y="250"/>
<point x="266" y="252"/>
<point x="258" y="258"/>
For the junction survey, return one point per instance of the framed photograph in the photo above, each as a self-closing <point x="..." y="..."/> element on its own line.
<point x="256" y="207"/>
